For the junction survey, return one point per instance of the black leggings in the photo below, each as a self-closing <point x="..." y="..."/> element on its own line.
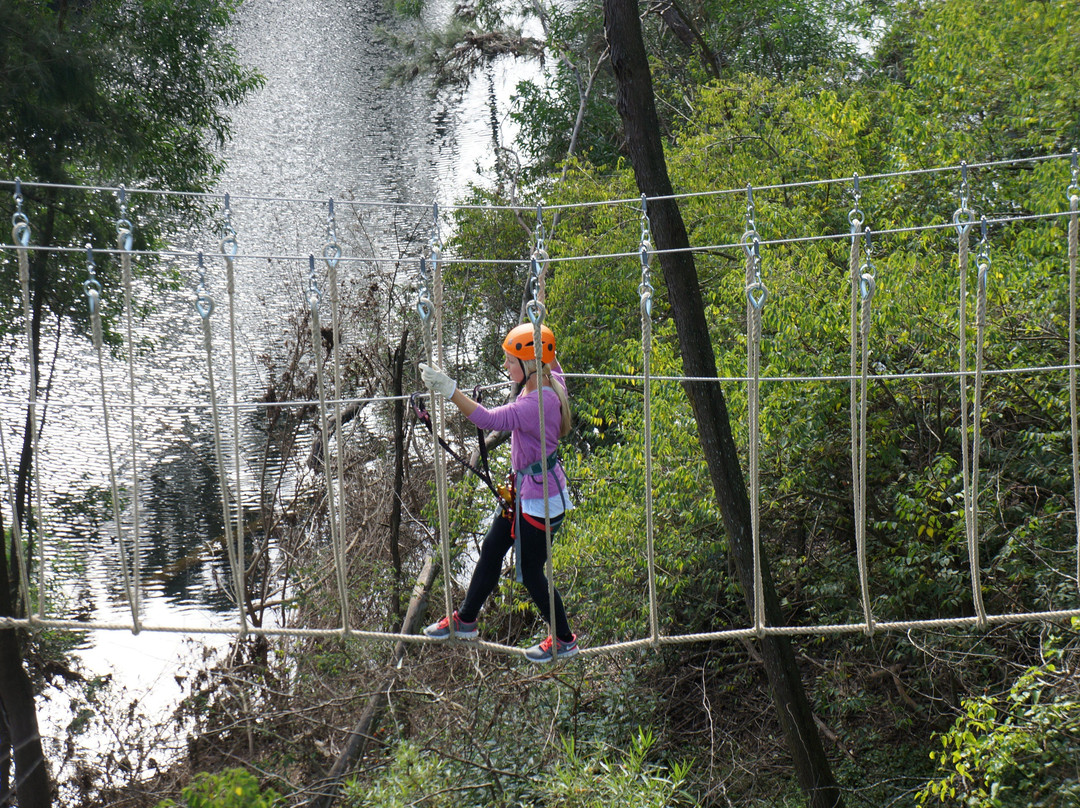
<point x="533" y="556"/>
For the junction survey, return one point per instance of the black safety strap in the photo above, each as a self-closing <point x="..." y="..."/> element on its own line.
<point x="424" y="417"/>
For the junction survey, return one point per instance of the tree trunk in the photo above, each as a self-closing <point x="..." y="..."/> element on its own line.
<point x="638" y="112"/>
<point x="398" y="364"/>
<point x="31" y="781"/>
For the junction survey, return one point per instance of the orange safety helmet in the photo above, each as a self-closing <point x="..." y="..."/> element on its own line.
<point x="519" y="343"/>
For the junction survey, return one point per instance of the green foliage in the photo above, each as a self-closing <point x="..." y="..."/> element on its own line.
<point x="106" y="93"/>
<point x="1018" y="749"/>
<point x="599" y="780"/>
<point x="233" y="788"/>
<point x="574" y="780"/>
<point x="412" y="777"/>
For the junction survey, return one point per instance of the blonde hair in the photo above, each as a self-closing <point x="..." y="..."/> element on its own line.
<point x="564" y="401"/>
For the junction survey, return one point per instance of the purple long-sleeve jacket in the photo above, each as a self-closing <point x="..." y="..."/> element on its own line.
<point x="522" y="418"/>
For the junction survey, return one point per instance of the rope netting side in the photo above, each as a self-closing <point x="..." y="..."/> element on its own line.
<point x="756" y="293"/>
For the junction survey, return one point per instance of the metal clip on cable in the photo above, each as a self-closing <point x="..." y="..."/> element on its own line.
<point x="645" y="288"/>
<point x="20" y="225"/>
<point x="314" y="295"/>
<point x="424" y="306"/>
<point x="1074" y="188"/>
<point x="756" y="291"/>
<point x="964" y="217"/>
<point x="124" y="237"/>
<point x="983" y="258"/>
<point x="204" y="304"/>
<point x="332" y="250"/>
<point x="867" y="281"/>
<point x="229" y="246"/>
<point x="855" y="215"/>
<point x="92" y="286"/>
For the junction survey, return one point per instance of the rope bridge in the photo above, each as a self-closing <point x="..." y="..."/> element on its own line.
<point x="322" y="297"/>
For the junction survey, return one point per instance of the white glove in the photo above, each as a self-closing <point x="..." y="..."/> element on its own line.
<point x="437" y="380"/>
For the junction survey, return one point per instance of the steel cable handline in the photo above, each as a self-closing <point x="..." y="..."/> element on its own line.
<point x="756" y="296"/>
<point x="515" y="262"/>
<point x="842" y="378"/>
<point x="522" y="208"/>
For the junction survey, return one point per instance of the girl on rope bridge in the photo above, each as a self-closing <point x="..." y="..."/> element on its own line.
<point x="524" y="527"/>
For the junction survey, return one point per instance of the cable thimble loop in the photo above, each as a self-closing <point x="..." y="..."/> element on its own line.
<point x="1074" y="188"/>
<point x="332" y="250"/>
<point x="757" y="294"/>
<point x="92" y="286"/>
<point x="20" y="225"/>
<point x="535" y="311"/>
<point x="963" y="217"/>
<point x="314" y="295"/>
<point x="855" y="215"/>
<point x="204" y="304"/>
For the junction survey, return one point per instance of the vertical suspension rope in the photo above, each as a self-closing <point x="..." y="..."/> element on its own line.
<point x="982" y="262"/>
<point x="964" y="218"/>
<point x="863" y="286"/>
<point x="92" y="287"/>
<point x="204" y="306"/>
<point x="855" y="218"/>
<point x="229" y="249"/>
<point x="124" y="243"/>
<point x="20" y="236"/>
<point x="1073" y="193"/>
<point x="645" y="290"/>
<point x="20" y="233"/>
<point x="756" y="295"/>
<point x="535" y="311"/>
<point x="425" y="309"/>
<point x="314" y="300"/>
<point x="331" y="254"/>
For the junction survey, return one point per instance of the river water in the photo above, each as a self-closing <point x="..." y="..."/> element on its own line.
<point x="324" y="125"/>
